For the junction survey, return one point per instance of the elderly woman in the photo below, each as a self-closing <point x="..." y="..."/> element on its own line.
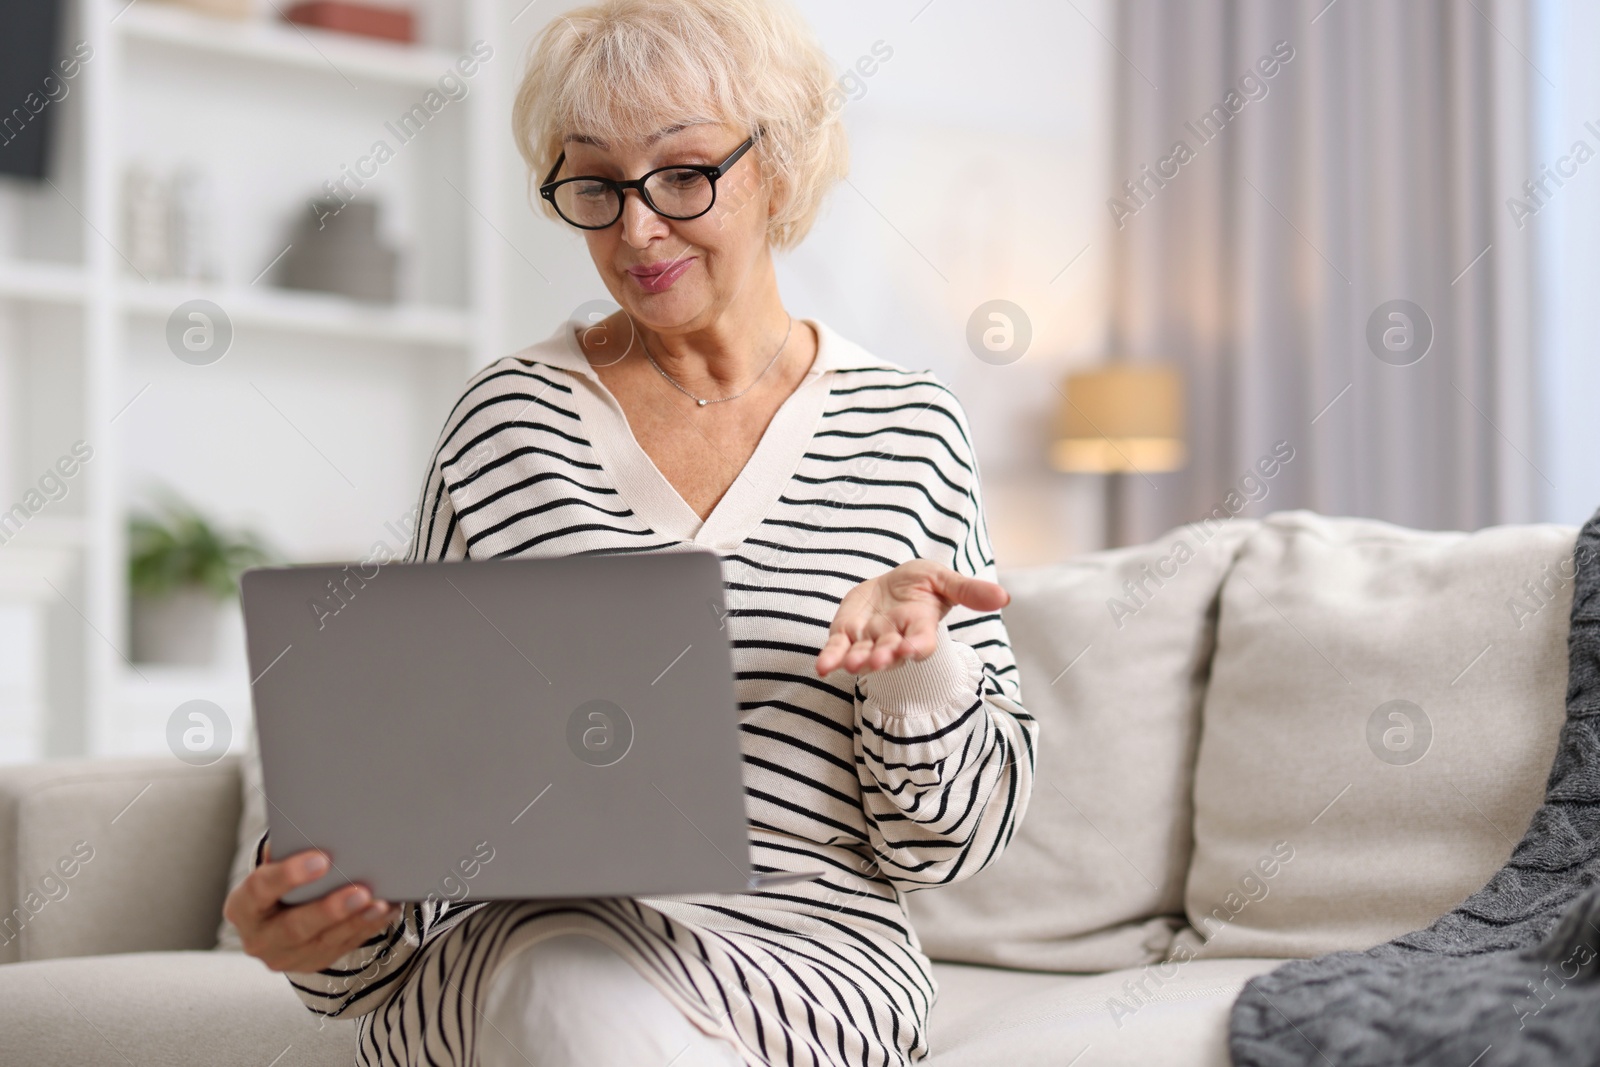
<point x="883" y="741"/>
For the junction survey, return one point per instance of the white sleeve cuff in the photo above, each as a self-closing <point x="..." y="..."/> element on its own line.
<point x="946" y="681"/>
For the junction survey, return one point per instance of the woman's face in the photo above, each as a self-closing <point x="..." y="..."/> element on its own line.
<point x="671" y="274"/>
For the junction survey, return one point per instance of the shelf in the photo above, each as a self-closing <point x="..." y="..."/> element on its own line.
<point x="167" y="686"/>
<point x="51" y="531"/>
<point x="34" y="571"/>
<point x="285" y="45"/>
<point x="327" y="315"/>
<point x="161" y="677"/>
<point x="40" y="281"/>
<point x="145" y="701"/>
<point x="322" y="314"/>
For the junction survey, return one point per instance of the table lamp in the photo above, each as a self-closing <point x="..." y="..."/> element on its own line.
<point x="1116" y="419"/>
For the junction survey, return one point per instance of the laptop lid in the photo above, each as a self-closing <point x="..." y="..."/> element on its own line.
<point x="517" y="728"/>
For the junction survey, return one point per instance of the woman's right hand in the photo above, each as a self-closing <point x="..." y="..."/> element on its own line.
<point x="301" y="937"/>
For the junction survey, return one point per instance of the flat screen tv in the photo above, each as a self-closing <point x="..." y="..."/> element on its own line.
<point x="33" y="83"/>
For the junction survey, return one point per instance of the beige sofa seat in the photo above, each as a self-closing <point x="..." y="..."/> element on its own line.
<point x="220" y="1009"/>
<point x="989" y="1017"/>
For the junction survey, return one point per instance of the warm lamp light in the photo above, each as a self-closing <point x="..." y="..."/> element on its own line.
<point x="1123" y="418"/>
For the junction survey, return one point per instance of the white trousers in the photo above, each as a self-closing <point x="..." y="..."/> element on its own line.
<point x="571" y="1001"/>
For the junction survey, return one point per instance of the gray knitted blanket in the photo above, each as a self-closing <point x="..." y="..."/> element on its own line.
<point x="1512" y="975"/>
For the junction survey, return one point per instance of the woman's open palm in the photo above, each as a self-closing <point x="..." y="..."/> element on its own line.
<point x="896" y="616"/>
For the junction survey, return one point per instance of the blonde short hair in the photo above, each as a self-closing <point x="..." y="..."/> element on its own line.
<point x="621" y="69"/>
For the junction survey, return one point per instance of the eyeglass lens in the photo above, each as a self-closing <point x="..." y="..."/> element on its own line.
<point x="676" y="193"/>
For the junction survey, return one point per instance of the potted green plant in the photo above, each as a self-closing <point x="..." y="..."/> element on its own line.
<point x="182" y="569"/>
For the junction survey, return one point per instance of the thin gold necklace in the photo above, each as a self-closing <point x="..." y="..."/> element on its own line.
<point x="717" y="400"/>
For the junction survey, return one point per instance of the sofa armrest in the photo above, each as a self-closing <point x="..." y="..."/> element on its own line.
<point x="127" y="855"/>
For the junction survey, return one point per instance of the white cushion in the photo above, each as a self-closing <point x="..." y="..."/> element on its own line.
<point x="97" y="843"/>
<point x="1165" y="1015"/>
<point x="1326" y="818"/>
<point x="1113" y="649"/>
<point x="203" y="1008"/>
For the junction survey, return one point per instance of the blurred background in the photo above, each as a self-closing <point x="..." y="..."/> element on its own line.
<point x="1178" y="259"/>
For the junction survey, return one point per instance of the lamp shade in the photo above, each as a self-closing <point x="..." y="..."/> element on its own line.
<point x="1125" y="417"/>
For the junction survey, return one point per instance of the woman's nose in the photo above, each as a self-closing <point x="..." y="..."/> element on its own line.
<point x="639" y="223"/>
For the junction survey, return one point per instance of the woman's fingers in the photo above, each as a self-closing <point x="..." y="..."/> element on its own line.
<point x="257" y="896"/>
<point x="285" y="936"/>
<point x="916" y="642"/>
<point x="338" y="939"/>
<point x="832" y="654"/>
<point x="895" y="616"/>
<point x="921" y="641"/>
<point x="304" y="923"/>
<point x="843" y="652"/>
<point x="885" y="651"/>
<point x="974" y="593"/>
<point x="330" y="945"/>
<point x="290" y="940"/>
<point x="872" y="651"/>
<point x="856" y="658"/>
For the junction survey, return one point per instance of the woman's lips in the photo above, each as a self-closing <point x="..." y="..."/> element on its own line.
<point x="658" y="277"/>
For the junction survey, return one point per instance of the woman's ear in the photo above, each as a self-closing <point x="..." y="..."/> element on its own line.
<point x="777" y="197"/>
<point x="777" y="190"/>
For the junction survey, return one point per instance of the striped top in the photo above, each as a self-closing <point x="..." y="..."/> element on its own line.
<point x="888" y="782"/>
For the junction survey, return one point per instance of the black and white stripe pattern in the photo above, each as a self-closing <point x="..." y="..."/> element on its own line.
<point x="889" y="782"/>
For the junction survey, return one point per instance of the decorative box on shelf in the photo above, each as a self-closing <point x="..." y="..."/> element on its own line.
<point x="366" y="20"/>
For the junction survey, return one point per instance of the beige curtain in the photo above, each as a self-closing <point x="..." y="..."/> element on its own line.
<point x="1286" y="174"/>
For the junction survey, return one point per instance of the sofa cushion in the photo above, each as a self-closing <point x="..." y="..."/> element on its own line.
<point x="1164" y="1015"/>
<point x="1383" y="710"/>
<point x="252" y="824"/>
<point x="92" y="846"/>
<point x="1112" y="649"/>
<point x="207" y="1009"/>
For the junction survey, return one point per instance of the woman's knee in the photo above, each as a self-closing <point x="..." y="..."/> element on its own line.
<point x="571" y="1000"/>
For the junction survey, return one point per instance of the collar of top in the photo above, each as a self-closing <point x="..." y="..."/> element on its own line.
<point x="834" y="352"/>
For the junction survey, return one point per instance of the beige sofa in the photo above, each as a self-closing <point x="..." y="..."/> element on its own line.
<point x="1261" y="740"/>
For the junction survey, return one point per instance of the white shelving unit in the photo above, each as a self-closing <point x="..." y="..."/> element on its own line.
<point x="311" y="313"/>
<point x="281" y="45"/>
<point x="270" y="110"/>
<point x="51" y="283"/>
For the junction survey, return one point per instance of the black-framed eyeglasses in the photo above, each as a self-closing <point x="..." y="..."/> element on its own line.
<point x="680" y="192"/>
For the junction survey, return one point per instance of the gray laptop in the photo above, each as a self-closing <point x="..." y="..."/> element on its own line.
<point x="517" y="728"/>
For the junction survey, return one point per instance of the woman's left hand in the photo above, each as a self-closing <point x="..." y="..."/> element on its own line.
<point x="896" y="616"/>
